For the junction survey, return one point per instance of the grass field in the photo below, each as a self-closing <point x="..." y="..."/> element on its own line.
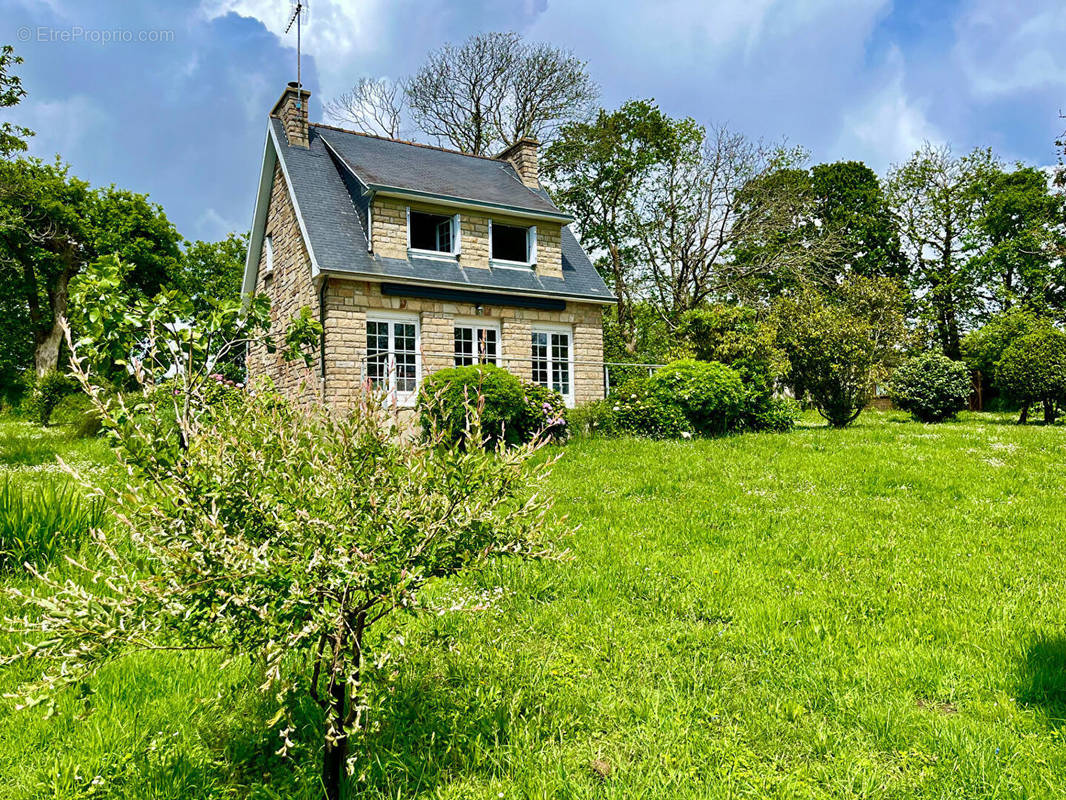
<point x="875" y="612"/>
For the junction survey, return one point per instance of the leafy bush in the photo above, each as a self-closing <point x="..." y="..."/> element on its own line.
<point x="543" y="413"/>
<point x="38" y="523"/>
<point x="45" y="393"/>
<point x="931" y="387"/>
<point x="448" y="398"/>
<point x="710" y="394"/>
<point x="639" y="409"/>
<point x="774" y="414"/>
<point x="983" y="348"/>
<point x="1033" y="370"/>
<point x="839" y="346"/>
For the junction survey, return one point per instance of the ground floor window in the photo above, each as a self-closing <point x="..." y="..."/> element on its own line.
<point x="476" y="344"/>
<point x="553" y="360"/>
<point x="392" y="363"/>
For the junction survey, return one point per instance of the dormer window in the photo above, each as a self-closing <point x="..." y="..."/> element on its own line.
<point x="432" y="234"/>
<point x="512" y="245"/>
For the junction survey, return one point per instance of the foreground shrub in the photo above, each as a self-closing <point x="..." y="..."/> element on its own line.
<point x="449" y="397"/>
<point x="283" y="534"/>
<point x="1033" y="370"/>
<point x="931" y="387"/>
<point x="42" y="521"/>
<point x="710" y="395"/>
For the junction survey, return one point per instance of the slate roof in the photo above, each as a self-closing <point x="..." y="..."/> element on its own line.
<point x="333" y="213"/>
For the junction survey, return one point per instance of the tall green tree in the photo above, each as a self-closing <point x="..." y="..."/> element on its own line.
<point x="936" y="197"/>
<point x="12" y="137"/>
<point x="210" y="270"/>
<point x="52" y="225"/>
<point x="45" y="240"/>
<point x="596" y="170"/>
<point x="850" y="201"/>
<point x="1023" y="224"/>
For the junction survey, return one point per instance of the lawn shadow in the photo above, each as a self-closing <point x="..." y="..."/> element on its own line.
<point x="424" y="733"/>
<point x="1042" y="684"/>
<point x="430" y="730"/>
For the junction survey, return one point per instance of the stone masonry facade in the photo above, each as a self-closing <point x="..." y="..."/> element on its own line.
<point x="389" y="234"/>
<point x="348" y="301"/>
<point x="290" y="288"/>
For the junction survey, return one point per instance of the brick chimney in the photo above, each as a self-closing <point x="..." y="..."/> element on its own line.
<point x="523" y="157"/>
<point x="291" y="109"/>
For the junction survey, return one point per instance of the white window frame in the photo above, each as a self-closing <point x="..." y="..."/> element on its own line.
<point x="475" y="324"/>
<point x="549" y="329"/>
<point x="392" y="318"/>
<point x="456" y="235"/>
<point x="268" y="248"/>
<point x="531" y="249"/>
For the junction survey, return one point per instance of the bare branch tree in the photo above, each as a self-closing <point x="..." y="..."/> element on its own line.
<point x="548" y="88"/>
<point x="495" y="89"/>
<point x="372" y="105"/>
<point x="714" y="220"/>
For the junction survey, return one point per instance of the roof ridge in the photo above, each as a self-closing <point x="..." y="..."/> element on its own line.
<point x="407" y="142"/>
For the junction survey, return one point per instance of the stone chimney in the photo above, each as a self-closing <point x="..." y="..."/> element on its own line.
<point x="291" y="109"/>
<point x="523" y="157"/>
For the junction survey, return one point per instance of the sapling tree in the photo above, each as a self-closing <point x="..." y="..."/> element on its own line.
<point x="272" y="529"/>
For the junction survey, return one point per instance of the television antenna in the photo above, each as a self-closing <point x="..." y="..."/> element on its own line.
<point x="299" y="12"/>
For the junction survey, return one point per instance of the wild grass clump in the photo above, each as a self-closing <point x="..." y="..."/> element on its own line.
<point x="39" y="522"/>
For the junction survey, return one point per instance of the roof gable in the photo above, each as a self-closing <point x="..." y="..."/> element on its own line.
<point x="330" y="210"/>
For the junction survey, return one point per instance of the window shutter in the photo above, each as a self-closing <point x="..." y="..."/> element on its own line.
<point x="457" y="235"/>
<point x="533" y="245"/>
<point x="409" y="227"/>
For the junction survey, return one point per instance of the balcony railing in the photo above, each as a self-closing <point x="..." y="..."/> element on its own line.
<point x="401" y="376"/>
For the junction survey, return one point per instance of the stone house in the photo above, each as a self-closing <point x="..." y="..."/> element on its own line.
<point x="415" y="258"/>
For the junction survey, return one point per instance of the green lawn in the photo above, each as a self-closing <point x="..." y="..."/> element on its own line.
<point x="875" y="612"/>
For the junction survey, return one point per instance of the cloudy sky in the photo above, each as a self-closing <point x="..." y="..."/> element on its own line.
<point x="184" y="119"/>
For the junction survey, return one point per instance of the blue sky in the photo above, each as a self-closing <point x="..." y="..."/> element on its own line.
<point x="184" y="120"/>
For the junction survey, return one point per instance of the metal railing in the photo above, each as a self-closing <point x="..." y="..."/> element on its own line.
<point x="395" y="377"/>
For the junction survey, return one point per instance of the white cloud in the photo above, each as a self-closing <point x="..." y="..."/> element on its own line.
<point x="1005" y="47"/>
<point x="338" y="34"/>
<point x="888" y="126"/>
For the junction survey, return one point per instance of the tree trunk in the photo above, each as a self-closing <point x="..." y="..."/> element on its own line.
<point x="1024" y="418"/>
<point x="46" y="352"/>
<point x="1050" y="412"/>
<point x="335" y="757"/>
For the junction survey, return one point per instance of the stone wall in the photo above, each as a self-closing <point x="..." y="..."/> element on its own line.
<point x="390" y="234"/>
<point x="347" y="303"/>
<point x="289" y="288"/>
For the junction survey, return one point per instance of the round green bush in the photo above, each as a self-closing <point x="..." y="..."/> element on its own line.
<point x="448" y="397"/>
<point x="931" y="387"/>
<point x="711" y="395"/>
<point x="1033" y="370"/>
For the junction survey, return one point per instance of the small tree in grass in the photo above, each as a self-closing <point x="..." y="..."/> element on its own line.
<point x="1033" y="370"/>
<point x="839" y="347"/>
<point x="272" y="529"/>
<point x="931" y="387"/>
